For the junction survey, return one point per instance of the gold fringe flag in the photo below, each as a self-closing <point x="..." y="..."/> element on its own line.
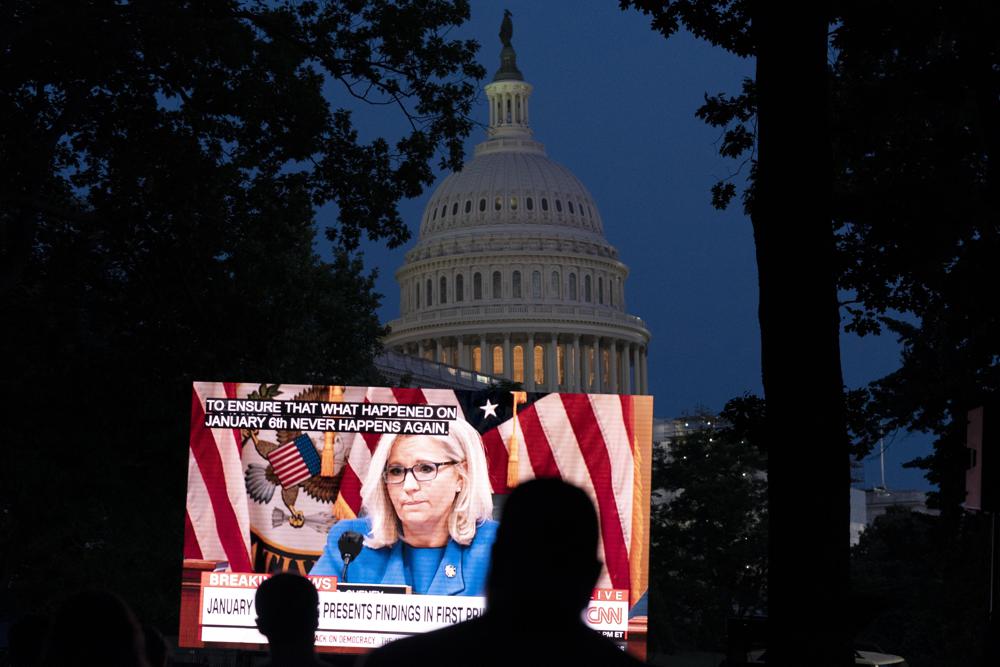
<point x="335" y="394"/>
<point x="642" y="418"/>
<point x="513" y="447"/>
<point x="341" y="510"/>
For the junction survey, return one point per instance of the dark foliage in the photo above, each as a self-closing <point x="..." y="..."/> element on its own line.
<point x="161" y="164"/>
<point x="709" y="528"/>
<point x="920" y="587"/>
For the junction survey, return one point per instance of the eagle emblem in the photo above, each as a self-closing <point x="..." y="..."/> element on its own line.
<point x="293" y="462"/>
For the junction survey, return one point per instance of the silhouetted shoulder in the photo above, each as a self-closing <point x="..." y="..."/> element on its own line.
<point x="485" y="642"/>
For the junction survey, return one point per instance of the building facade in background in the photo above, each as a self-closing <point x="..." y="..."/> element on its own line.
<point x="512" y="276"/>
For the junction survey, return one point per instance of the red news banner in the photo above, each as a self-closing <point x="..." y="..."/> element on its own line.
<point x="368" y="619"/>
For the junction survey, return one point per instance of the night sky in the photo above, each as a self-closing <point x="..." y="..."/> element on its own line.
<point x="614" y="102"/>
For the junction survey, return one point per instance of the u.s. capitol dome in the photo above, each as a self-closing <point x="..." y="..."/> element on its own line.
<point x="511" y="275"/>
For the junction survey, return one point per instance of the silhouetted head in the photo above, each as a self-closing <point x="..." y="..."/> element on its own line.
<point x="287" y="609"/>
<point x="548" y="537"/>
<point x="96" y="628"/>
<point x="26" y="640"/>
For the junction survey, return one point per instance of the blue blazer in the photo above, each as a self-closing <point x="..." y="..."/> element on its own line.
<point x="470" y="563"/>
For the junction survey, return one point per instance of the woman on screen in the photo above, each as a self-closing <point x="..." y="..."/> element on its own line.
<point x="426" y="508"/>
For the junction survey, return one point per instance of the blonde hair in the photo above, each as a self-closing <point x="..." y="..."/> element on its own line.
<point x="473" y="503"/>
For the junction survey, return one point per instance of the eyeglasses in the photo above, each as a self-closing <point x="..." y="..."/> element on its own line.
<point x="423" y="471"/>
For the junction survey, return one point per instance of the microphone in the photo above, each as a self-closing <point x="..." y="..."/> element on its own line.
<point x="350" y="546"/>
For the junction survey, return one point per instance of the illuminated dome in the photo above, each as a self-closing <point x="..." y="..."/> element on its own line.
<point x="512" y="275"/>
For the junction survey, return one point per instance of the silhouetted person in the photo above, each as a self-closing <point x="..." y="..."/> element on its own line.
<point x="26" y="640"/>
<point x="288" y="615"/>
<point x="96" y="628"/>
<point x="157" y="650"/>
<point x="542" y="574"/>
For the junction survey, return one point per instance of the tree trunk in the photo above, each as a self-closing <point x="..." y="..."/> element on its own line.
<point x="808" y="469"/>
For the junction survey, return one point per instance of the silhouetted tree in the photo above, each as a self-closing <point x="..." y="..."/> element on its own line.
<point x="161" y="165"/>
<point x="915" y="91"/>
<point x="798" y="312"/>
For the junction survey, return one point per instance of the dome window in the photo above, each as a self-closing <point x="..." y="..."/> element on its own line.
<point x="454" y="208"/>
<point x="430" y="292"/>
<point x="477" y="359"/>
<point x="497" y="360"/>
<point x="416" y="294"/>
<point x="558" y="206"/>
<point x="497" y="285"/>
<point x="571" y="207"/>
<point x="459" y="288"/>
<point x="554" y="284"/>
<point x="539" y="355"/>
<point x="545" y="204"/>
<point x="572" y="287"/>
<point x="477" y="286"/>
<point x="600" y="290"/>
<point x="536" y="284"/>
<point x="444" y="210"/>
<point x="513" y="203"/>
<point x="529" y="203"/>
<point x="498" y="203"/>
<point x="518" y="363"/>
<point x="588" y="295"/>
<point x="443" y="291"/>
<point x="468" y="205"/>
<point x="434" y="213"/>
<point x="482" y="205"/>
<point x="515" y="285"/>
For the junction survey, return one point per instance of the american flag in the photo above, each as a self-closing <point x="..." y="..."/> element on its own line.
<point x="295" y="461"/>
<point x="217" y="520"/>
<point x="600" y="443"/>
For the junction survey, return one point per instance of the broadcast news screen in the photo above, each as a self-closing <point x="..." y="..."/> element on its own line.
<point x="326" y="481"/>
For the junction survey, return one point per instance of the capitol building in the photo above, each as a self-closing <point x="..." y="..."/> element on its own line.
<point x="512" y="276"/>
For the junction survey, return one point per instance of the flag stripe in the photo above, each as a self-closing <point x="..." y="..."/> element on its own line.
<point x="608" y="412"/>
<point x="543" y="464"/>
<point x="569" y="458"/>
<point x="191" y="548"/>
<point x="199" y="508"/>
<point x="595" y="454"/>
<point x="227" y="444"/>
<point x="289" y="464"/>
<point x="205" y="449"/>
<point x="496" y="460"/>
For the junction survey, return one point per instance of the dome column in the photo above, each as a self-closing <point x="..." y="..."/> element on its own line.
<point x="485" y="357"/>
<point x="585" y="368"/>
<point x="552" y="365"/>
<point x="529" y="364"/>
<point x="644" y="384"/>
<point x="508" y="367"/>
<point x="460" y="353"/>
<point x="598" y="367"/>
<point x="613" y="367"/>
<point x="628" y="359"/>
<point x="575" y="386"/>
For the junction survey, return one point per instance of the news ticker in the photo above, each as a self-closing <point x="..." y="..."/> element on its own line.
<point x="368" y="618"/>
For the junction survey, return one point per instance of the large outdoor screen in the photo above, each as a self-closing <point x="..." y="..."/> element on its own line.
<point x="388" y="500"/>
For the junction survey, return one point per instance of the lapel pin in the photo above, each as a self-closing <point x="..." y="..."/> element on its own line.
<point x="450" y="570"/>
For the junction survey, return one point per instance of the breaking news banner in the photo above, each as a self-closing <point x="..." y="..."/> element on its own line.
<point x="323" y="480"/>
<point x="366" y="619"/>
